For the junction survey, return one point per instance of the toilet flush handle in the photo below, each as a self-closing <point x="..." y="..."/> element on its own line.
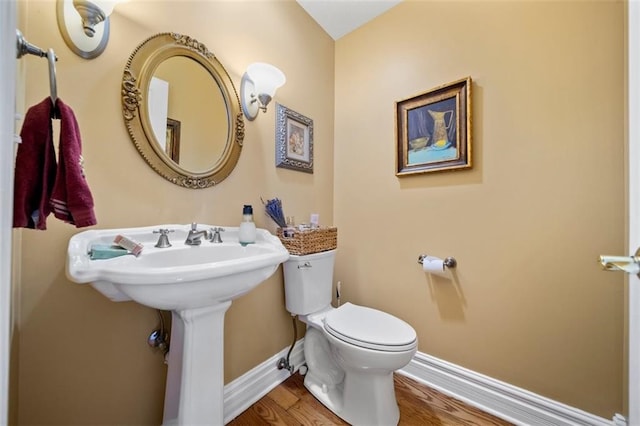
<point x="305" y="265"/>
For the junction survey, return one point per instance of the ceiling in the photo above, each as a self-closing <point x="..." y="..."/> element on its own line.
<point x="340" y="17"/>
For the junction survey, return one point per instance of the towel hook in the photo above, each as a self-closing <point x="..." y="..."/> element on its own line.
<point x="51" y="56"/>
<point x="23" y="47"/>
<point x="53" y="85"/>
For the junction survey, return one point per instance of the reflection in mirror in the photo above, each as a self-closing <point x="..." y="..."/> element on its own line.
<point x="182" y="110"/>
<point x="196" y="105"/>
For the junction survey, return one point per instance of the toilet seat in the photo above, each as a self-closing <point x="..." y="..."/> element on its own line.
<point x="369" y="328"/>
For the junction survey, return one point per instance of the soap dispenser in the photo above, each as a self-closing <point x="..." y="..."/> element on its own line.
<point x="247" y="231"/>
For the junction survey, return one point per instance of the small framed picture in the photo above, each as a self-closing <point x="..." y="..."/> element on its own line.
<point x="294" y="140"/>
<point x="172" y="148"/>
<point x="434" y="130"/>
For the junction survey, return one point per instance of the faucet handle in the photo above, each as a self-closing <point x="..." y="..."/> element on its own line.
<point x="163" y="240"/>
<point x="194" y="226"/>
<point x="215" y="234"/>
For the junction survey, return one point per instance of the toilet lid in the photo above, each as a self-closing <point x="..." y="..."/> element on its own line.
<point x="370" y="328"/>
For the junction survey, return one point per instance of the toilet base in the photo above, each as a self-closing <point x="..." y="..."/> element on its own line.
<point x="361" y="396"/>
<point x="361" y="399"/>
<point x="330" y="396"/>
<point x="356" y="385"/>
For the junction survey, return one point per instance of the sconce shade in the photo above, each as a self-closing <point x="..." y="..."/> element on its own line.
<point x="266" y="78"/>
<point x="106" y="6"/>
<point x="84" y="25"/>
<point x="258" y="87"/>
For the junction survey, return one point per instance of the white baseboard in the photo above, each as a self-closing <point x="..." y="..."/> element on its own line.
<point x="619" y="420"/>
<point x="503" y="400"/>
<point x="247" y="389"/>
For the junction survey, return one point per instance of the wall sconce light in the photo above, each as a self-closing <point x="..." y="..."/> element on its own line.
<point x="84" y="25"/>
<point x="258" y="86"/>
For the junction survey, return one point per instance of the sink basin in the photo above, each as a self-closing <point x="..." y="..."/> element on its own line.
<point x="197" y="284"/>
<point x="177" y="277"/>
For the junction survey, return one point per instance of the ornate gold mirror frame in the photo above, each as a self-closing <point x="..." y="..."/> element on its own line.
<point x="135" y="88"/>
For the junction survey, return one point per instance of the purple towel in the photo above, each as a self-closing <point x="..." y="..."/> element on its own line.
<point x="71" y="198"/>
<point x="40" y="185"/>
<point x="35" y="169"/>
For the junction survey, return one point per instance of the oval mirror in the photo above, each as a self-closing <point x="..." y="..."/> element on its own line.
<point x="182" y="110"/>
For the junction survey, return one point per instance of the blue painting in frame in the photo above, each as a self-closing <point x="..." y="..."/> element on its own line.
<point x="434" y="130"/>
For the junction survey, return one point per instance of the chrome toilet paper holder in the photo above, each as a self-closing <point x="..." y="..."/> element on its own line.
<point x="449" y="262"/>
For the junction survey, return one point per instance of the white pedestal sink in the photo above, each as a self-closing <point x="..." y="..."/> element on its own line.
<point x="197" y="284"/>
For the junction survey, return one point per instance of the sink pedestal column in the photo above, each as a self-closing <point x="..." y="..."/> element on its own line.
<point x="195" y="380"/>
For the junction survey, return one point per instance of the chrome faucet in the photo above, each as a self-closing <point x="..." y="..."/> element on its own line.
<point x="195" y="237"/>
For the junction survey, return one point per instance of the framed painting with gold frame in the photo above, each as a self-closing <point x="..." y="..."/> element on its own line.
<point x="434" y="130"/>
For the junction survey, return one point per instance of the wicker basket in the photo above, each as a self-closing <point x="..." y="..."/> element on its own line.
<point x="310" y="241"/>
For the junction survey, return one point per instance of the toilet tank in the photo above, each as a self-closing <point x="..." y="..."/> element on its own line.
<point x="308" y="282"/>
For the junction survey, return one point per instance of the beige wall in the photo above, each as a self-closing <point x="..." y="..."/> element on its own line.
<point x="84" y="359"/>
<point x="528" y="304"/>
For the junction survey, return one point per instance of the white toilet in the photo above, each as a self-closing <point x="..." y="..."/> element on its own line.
<point x="351" y="351"/>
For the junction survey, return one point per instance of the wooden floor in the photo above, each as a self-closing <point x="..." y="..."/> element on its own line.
<point x="291" y="404"/>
